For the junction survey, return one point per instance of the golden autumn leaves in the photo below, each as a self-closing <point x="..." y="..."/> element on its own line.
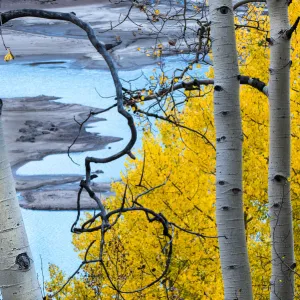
<point x="9" y="56"/>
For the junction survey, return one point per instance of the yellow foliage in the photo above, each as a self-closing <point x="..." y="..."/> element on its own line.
<point x="133" y="252"/>
<point x="9" y="56"/>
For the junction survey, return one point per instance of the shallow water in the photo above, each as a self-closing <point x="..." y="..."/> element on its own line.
<point x="50" y="240"/>
<point x="49" y="231"/>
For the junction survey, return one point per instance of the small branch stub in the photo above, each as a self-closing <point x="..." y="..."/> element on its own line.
<point x="290" y="32"/>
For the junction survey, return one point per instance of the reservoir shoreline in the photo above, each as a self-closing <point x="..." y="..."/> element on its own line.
<point x="37" y="127"/>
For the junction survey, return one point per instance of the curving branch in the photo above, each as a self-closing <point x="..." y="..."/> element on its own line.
<point x="102" y="49"/>
<point x="195" y="84"/>
<point x="243" y="2"/>
<point x="167" y="119"/>
<point x="155" y="217"/>
<point x="152" y="216"/>
<point x="255" y="83"/>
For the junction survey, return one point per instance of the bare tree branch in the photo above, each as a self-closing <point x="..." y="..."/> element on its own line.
<point x="289" y="32"/>
<point x="195" y="84"/>
<point x="241" y="3"/>
<point x="102" y="49"/>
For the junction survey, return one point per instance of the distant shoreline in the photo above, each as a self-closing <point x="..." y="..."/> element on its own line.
<point x="33" y="39"/>
<point x="36" y="41"/>
<point x="37" y="127"/>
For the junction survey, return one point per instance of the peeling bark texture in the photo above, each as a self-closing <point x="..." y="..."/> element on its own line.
<point x="229" y="202"/>
<point x="18" y="279"/>
<point x="280" y="210"/>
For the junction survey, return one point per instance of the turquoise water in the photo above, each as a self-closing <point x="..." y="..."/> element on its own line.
<point x="50" y="240"/>
<point x="49" y="231"/>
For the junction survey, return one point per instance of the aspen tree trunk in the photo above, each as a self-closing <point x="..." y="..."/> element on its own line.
<point x="280" y="210"/>
<point x="229" y="203"/>
<point x="18" y="279"/>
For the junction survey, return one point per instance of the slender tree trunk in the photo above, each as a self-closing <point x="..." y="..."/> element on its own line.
<point x="18" y="279"/>
<point x="229" y="205"/>
<point x="280" y="210"/>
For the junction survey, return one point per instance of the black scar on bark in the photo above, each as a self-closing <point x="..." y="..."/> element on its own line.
<point x="280" y="178"/>
<point x="23" y="261"/>
<point x="1" y="105"/>
<point x="222" y="138"/>
<point x="224" y="10"/>
<point x="221" y="182"/>
<point x="218" y="88"/>
<point x="236" y="190"/>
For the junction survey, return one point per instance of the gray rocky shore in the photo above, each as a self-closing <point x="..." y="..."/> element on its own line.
<point x="37" y="127"/>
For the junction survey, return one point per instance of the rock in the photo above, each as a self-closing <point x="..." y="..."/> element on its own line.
<point x="99" y="172"/>
<point x="23" y="130"/>
<point x="46" y="132"/>
<point x="26" y="138"/>
<point x="31" y="123"/>
<point x="37" y="133"/>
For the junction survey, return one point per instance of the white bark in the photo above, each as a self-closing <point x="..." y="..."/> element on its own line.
<point x="280" y="210"/>
<point x="229" y="203"/>
<point x="18" y="279"/>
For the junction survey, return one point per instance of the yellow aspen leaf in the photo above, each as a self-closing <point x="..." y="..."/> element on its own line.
<point x="193" y="175"/>
<point x="157" y="12"/>
<point x="138" y="49"/>
<point x="9" y="56"/>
